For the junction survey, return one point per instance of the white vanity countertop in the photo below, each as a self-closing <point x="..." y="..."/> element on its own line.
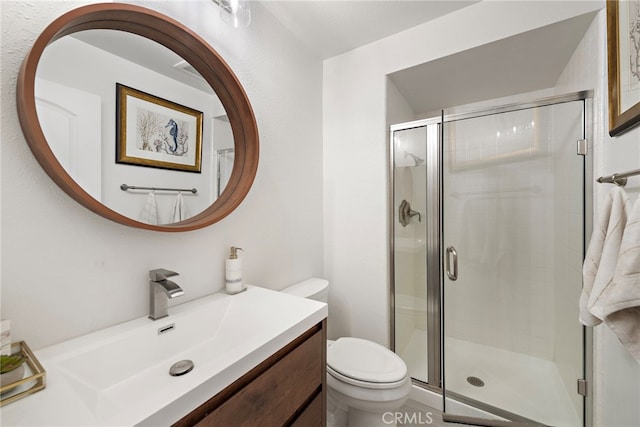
<point x="225" y="336"/>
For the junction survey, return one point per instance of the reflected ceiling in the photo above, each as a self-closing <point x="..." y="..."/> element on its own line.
<point x="146" y="53"/>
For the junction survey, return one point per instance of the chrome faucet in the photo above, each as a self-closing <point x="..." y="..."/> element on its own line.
<point x="161" y="290"/>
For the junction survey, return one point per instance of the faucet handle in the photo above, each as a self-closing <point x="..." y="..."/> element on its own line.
<point x="161" y="274"/>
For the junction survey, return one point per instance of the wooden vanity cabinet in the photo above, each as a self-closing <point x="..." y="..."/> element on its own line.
<point x="287" y="389"/>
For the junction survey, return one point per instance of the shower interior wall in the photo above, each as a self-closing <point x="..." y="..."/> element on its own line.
<point x="616" y="375"/>
<point x="515" y="267"/>
<point x="503" y="300"/>
<point x="410" y="252"/>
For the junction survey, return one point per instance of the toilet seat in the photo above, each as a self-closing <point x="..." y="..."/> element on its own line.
<point x="363" y="384"/>
<point x="365" y="364"/>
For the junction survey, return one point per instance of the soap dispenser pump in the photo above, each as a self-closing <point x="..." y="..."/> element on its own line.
<point x="233" y="272"/>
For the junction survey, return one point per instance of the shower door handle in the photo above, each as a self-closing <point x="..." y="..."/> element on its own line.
<point x="451" y="253"/>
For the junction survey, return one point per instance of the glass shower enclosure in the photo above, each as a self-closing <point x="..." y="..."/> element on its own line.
<point x="488" y="243"/>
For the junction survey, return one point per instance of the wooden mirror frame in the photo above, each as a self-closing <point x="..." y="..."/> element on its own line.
<point x="191" y="47"/>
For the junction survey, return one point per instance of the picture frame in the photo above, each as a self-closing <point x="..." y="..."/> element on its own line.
<point x="623" y="57"/>
<point x="155" y="132"/>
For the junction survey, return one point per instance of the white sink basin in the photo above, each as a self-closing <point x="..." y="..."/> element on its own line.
<point x="120" y="375"/>
<point x="132" y="364"/>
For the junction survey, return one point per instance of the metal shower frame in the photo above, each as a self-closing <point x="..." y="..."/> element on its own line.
<point x="434" y="248"/>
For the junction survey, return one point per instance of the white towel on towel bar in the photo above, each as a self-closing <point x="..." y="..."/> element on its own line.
<point x="179" y="209"/>
<point x="602" y="254"/>
<point x="150" y="210"/>
<point x="619" y="304"/>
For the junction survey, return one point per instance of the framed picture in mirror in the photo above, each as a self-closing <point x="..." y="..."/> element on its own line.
<point x="623" y="46"/>
<point x="154" y="132"/>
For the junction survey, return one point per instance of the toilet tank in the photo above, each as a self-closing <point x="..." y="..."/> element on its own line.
<point x="315" y="289"/>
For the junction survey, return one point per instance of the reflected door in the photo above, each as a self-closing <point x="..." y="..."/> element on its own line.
<point x="71" y="118"/>
<point x="513" y="222"/>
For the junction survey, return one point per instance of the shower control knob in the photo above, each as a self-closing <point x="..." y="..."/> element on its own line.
<point x="405" y="213"/>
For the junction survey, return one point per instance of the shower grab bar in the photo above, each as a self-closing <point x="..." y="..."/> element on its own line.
<point x="125" y="187"/>
<point x="619" y="179"/>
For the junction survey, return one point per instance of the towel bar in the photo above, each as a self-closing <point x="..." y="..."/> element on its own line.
<point x="125" y="187"/>
<point x="619" y="179"/>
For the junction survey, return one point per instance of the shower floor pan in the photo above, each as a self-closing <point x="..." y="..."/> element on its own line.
<point x="517" y="383"/>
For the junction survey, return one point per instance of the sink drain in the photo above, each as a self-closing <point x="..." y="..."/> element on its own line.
<point x="475" y="381"/>
<point x="180" y="368"/>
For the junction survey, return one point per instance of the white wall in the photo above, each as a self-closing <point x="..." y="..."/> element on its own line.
<point x="581" y="73"/>
<point x="67" y="271"/>
<point x="616" y="373"/>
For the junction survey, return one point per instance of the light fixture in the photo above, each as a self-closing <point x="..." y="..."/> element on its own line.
<point x="236" y="13"/>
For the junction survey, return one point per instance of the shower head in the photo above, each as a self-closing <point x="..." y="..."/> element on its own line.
<point x="415" y="158"/>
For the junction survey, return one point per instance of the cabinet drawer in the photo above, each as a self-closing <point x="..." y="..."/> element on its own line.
<point x="286" y="387"/>
<point x="313" y="415"/>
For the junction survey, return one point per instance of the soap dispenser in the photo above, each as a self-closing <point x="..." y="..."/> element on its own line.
<point x="233" y="272"/>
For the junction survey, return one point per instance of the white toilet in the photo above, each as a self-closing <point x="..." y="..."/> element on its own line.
<point x="365" y="380"/>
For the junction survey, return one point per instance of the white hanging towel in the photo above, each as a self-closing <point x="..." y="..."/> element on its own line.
<point x="150" y="210"/>
<point x="619" y="304"/>
<point x="602" y="254"/>
<point x="180" y="212"/>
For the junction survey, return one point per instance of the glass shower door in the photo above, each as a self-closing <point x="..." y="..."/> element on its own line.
<point x="415" y="252"/>
<point x="409" y="250"/>
<point x="513" y="241"/>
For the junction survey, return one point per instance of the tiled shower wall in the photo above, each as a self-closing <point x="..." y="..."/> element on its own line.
<point x="410" y="241"/>
<point x="500" y="217"/>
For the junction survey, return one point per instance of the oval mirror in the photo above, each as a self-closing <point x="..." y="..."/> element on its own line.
<point x="117" y="101"/>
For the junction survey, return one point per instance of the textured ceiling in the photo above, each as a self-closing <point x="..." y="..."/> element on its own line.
<point x="332" y="27"/>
